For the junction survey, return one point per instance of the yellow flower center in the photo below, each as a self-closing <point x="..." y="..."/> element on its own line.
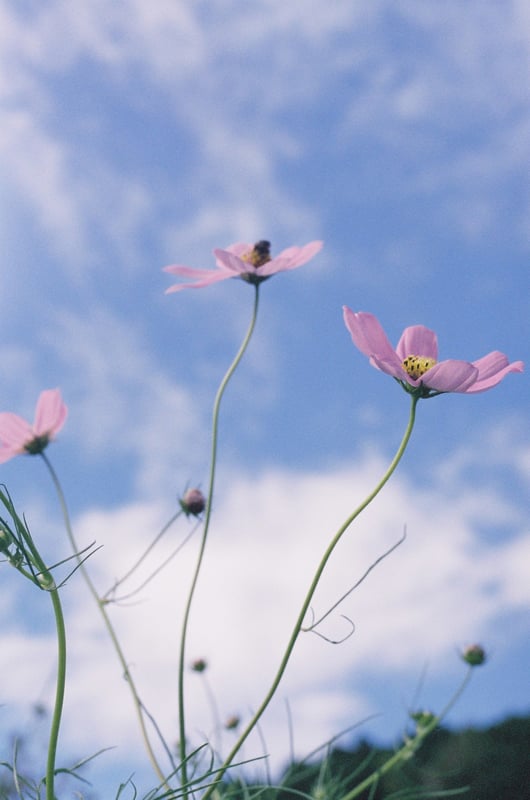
<point x="416" y="366"/>
<point x="259" y="255"/>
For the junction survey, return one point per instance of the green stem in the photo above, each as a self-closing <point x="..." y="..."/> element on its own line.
<point x="213" y="463"/>
<point x="108" y="624"/>
<point x="61" y="657"/>
<point x="59" y="694"/>
<point x="305" y="605"/>
<point x="410" y="746"/>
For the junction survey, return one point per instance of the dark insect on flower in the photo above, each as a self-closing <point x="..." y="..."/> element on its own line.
<point x="260" y="253"/>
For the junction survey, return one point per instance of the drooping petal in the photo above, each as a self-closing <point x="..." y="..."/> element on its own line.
<point x="50" y="413"/>
<point x="417" y="340"/>
<point x="14" y="431"/>
<point x="450" y="376"/>
<point x="492" y="368"/>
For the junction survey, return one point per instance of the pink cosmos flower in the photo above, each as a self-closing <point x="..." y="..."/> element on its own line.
<point x="18" y="436"/>
<point x="414" y="362"/>
<point x="251" y="262"/>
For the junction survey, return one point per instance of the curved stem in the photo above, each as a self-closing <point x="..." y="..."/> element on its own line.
<point x="59" y="694"/>
<point x="213" y="463"/>
<point x="108" y="624"/>
<point x="305" y="605"/>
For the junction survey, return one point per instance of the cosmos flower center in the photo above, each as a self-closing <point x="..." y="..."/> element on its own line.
<point x="37" y="444"/>
<point x="259" y="255"/>
<point x="416" y="366"/>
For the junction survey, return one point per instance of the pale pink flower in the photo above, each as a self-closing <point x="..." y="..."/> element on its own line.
<point x="414" y="362"/>
<point x="250" y="262"/>
<point x="18" y="436"/>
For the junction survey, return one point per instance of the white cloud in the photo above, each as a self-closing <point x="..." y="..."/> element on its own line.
<point x="117" y="391"/>
<point x="441" y="589"/>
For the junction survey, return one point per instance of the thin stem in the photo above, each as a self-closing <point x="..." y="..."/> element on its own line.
<point x="152" y="575"/>
<point x="314" y="583"/>
<point x="59" y="694"/>
<point x="213" y="463"/>
<point x="336" y="604"/>
<point x="146" y="552"/>
<point x="44" y="572"/>
<point x="108" y="624"/>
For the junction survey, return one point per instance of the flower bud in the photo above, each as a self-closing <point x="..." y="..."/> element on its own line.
<point x="474" y="655"/>
<point x="423" y="718"/>
<point x="193" y="502"/>
<point x="199" y="665"/>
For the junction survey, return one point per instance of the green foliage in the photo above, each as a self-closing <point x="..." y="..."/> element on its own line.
<point x="490" y="764"/>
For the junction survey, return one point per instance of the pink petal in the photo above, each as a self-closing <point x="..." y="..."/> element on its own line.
<point x="8" y="452"/>
<point x="417" y="341"/>
<point x="14" y="432"/>
<point x="368" y="335"/>
<point x="392" y="367"/>
<point x="492" y="370"/>
<point x="188" y="272"/>
<point x="211" y="276"/>
<point x="278" y="264"/>
<point x="450" y="376"/>
<point x="293" y="257"/>
<point x="229" y="261"/>
<point x="239" y="248"/>
<point x="50" y="413"/>
<point x="290" y="258"/>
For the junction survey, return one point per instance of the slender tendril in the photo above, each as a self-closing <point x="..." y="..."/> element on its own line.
<point x="146" y="552"/>
<point x="213" y="463"/>
<point x="307" y="601"/>
<point x="108" y="624"/>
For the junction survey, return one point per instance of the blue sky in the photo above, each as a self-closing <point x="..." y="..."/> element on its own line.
<point x="139" y="135"/>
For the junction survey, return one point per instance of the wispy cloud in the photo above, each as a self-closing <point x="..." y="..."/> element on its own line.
<point x="240" y="120"/>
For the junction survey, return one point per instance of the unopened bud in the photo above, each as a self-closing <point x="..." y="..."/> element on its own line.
<point x="474" y="655"/>
<point x="193" y="502"/>
<point x="423" y="718"/>
<point x="232" y="722"/>
<point x="199" y="665"/>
